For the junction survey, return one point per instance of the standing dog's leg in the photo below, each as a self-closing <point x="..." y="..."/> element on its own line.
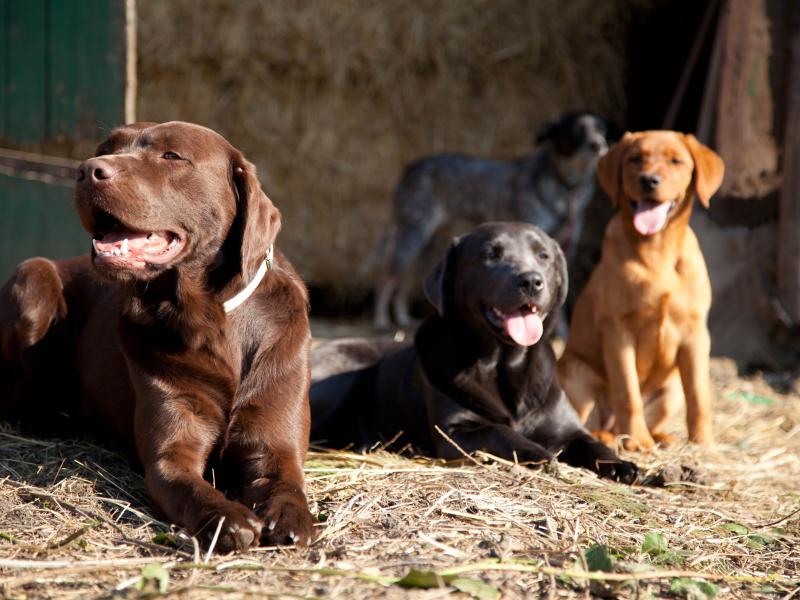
<point x="413" y="236"/>
<point x="383" y="297"/>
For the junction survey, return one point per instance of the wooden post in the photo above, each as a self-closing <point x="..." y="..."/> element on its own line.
<point x="789" y="223"/>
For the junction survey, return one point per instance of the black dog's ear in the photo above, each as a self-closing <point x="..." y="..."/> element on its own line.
<point x="613" y="131"/>
<point x="435" y="284"/>
<point x="561" y="273"/>
<point x="546" y="132"/>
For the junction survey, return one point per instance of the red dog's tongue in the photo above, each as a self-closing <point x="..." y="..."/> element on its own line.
<point x="650" y="217"/>
<point x="525" y="329"/>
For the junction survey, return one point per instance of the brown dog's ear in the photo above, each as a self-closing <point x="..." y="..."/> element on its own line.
<point x="708" y="169"/>
<point x="609" y="168"/>
<point x="437" y="281"/>
<point x="257" y="219"/>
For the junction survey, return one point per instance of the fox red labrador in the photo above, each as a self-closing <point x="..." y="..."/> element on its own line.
<point x="638" y="343"/>
<point x="183" y="334"/>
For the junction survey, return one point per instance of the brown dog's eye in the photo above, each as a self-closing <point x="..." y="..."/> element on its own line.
<point x="169" y="155"/>
<point x="676" y="161"/>
<point x="635" y="159"/>
<point x="544" y="256"/>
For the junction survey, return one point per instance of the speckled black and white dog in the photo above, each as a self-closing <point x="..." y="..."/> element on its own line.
<point x="549" y="188"/>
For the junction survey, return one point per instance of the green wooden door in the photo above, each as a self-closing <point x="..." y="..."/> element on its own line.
<point x="62" y="88"/>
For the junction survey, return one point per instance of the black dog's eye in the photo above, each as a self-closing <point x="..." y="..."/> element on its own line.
<point x="494" y="252"/>
<point x="170" y="155"/>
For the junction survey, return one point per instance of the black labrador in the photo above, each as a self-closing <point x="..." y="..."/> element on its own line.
<point x="480" y="370"/>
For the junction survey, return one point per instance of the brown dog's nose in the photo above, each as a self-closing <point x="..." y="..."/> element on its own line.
<point x="95" y="170"/>
<point x="532" y="283"/>
<point x="649" y="182"/>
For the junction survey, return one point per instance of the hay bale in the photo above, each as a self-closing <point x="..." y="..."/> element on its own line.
<point x="332" y="99"/>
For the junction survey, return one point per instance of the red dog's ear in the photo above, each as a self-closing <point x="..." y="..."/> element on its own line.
<point x="258" y="219"/>
<point x="609" y="168"/>
<point x="708" y="169"/>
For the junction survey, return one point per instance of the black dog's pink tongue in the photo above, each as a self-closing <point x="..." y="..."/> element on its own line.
<point x="650" y="217"/>
<point x="525" y="328"/>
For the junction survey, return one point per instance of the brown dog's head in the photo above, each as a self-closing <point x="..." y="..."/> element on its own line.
<point x="503" y="281"/>
<point x="160" y="196"/>
<point x="652" y="176"/>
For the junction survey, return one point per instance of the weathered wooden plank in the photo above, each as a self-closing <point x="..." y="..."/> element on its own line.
<point x="26" y="61"/>
<point x="87" y="67"/>
<point x="3" y="58"/>
<point x="745" y="113"/>
<point x="37" y="219"/>
<point x="789" y="223"/>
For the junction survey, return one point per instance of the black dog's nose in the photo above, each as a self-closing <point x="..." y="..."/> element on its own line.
<point x="649" y="182"/>
<point x="530" y="282"/>
<point x="95" y="170"/>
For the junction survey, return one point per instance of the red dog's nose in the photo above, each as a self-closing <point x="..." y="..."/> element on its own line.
<point x="95" y="170"/>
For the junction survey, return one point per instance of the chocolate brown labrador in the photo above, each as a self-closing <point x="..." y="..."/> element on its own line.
<point x="181" y="335"/>
<point x="480" y="371"/>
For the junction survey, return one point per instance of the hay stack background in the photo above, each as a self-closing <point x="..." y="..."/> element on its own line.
<point x="331" y="99"/>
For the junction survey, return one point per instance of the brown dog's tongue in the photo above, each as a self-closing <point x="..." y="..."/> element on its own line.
<point x="650" y="217"/>
<point x="525" y="329"/>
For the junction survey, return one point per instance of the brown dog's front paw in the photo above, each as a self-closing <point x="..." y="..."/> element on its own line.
<point x="287" y="521"/>
<point x="240" y="528"/>
<point x="605" y="437"/>
<point x="702" y="437"/>
<point x="638" y="444"/>
<point x="665" y="440"/>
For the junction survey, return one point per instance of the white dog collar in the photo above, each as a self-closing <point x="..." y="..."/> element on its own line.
<point x="266" y="265"/>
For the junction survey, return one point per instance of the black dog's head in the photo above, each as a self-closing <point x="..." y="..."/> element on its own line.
<point x="503" y="281"/>
<point x="578" y="141"/>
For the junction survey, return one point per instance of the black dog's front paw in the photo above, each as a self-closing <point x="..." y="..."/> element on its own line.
<point x="618" y="470"/>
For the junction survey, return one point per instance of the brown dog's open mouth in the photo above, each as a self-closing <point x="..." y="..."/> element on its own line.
<point x="524" y="325"/>
<point x="126" y="248"/>
<point x="650" y="216"/>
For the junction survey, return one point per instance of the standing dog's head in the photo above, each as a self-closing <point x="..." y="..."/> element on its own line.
<point x="652" y="176"/>
<point x="578" y="140"/>
<point x="503" y="281"/>
<point x="162" y="196"/>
